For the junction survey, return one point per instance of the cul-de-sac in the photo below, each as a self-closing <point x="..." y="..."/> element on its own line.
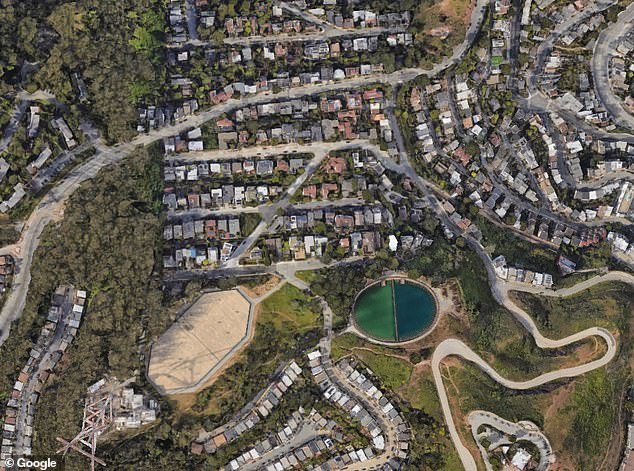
<point x="271" y="235"/>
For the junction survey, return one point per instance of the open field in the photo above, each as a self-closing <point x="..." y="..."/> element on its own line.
<point x="579" y="416"/>
<point x="421" y="393"/>
<point x="286" y="323"/>
<point x="582" y="420"/>
<point x="288" y="309"/>
<point x="450" y="15"/>
<point x="206" y="334"/>
<point x="392" y="365"/>
<point x="307" y="276"/>
<point x="477" y="319"/>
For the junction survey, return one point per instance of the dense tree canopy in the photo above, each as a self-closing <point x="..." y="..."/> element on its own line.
<point x="116" y="47"/>
<point x="107" y="245"/>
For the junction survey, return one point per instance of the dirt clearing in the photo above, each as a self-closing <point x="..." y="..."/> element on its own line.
<point x="199" y="342"/>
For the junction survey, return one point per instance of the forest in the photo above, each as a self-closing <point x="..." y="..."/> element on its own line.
<point x="116" y="47"/>
<point x="106" y="244"/>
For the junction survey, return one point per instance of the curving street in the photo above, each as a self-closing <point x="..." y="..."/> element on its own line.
<point x="602" y="54"/>
<point x="619" y="276"/>
<point x="521" y="430"/>
<point x="455" y="347"/>
<point x="51" y="206"/>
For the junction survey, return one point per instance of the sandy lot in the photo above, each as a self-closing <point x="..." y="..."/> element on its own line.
<point x="205" y="335"/>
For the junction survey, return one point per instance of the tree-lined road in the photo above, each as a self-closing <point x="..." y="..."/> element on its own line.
<point x="52" y="204"/>
<point x="320" y="151"/>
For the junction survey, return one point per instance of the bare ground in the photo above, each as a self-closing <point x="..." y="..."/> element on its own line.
<point x="257" y="291"/>
<point x="199" y="340"/>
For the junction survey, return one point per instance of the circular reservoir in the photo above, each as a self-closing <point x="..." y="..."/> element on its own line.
<point x="394" y="310"/>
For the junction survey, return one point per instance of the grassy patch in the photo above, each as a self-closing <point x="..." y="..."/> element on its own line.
<point x="307" y="276"/>
<point x="248" y="223"/>
<point x="421" y="393"/>
<point x="595" y="402"/>
<point x="346" y="344"/>
<point x="289" y="322"/>
<point x="586" y="424"/>
<point x="289" y="308"/>
<point x="393" y="372"/>
<point x="573" y="279"/>
<point x="451" y="13"/>
<point x="477" y="391"/>
<point x="607" y="305"/>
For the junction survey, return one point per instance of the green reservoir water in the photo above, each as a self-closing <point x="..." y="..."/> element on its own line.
<point x="375" y="314"/>
<point x="415" y="310"/>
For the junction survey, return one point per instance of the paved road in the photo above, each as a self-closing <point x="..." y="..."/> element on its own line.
<point x="268" y="151"/>
<point x="374" y="409"/>
<point x="308" y="17"/>
<point x="619" y="276"/>
<point x="564" y="171"/>
<point x="545" y="47"/>
<point x="52" y="204"/>
<point x="539" y="102"/>
<point x="611" y="177"/>
<point x="307" y="432"/>
<point x="45" y="363"/>
<point x="288" y="271"/>
<point x="623" y="258"/>
<point x="394" y="125"/>
<point x="200" y="213"/>
<point x="44" y="176"/>
<point x="477" y="16"/>
<point x="522" y="431"/>
<point x="320" y="36"/>
<point x="269" y="212"/>
<point x="319" y="150"/>
<point x="49" y="209"/>
<point x="604" y="49"/>
<point x="456" y="347"/>
<point x="500" y="292"/>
